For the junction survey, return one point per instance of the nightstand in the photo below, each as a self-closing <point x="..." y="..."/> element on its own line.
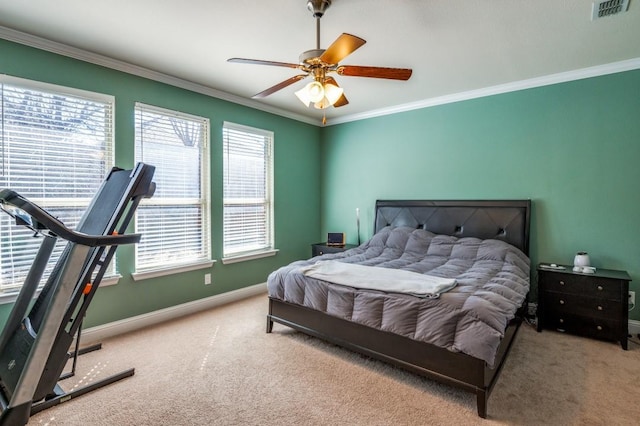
<point x="592" y="305"/>
<point x="322" y="248"/>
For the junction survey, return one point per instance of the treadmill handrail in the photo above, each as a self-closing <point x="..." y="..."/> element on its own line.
<point x="44" y="220"/>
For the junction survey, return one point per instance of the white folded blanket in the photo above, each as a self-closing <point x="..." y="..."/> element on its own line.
<point x="376" y="278"/>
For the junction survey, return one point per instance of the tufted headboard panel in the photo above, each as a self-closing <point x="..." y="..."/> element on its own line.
<point x="506" y="220"/>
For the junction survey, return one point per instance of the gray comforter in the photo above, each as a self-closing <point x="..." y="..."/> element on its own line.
<point x="492" y="281"/>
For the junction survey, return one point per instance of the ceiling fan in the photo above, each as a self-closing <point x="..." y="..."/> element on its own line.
<point x="317" y="63"/>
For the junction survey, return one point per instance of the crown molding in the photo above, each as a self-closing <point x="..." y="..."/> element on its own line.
<point x="563" y="77"/>
<point x="97" y="59"/>
<point x="94" y="58"/>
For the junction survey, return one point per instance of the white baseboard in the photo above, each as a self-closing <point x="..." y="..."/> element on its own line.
<point x="634" y="327"/>
<point x="96" y="334"/>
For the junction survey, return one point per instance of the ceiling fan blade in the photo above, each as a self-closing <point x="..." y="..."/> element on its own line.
<point x="279" y="86"/>
<point x="261" y="62"/>
<point x="331" y="80"/>
<point x="341" y="48"/>
<point x="342" y="100"/>
<point x="375" y="72"/>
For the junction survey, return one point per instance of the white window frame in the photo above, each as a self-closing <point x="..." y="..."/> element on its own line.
<point x="249" y="253"/>
<point x="111" y="276"/>
<point x="204" y="259"/>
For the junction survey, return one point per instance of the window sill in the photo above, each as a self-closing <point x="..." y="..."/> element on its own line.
<point x="139" y="276"/>
<point x="12" y="296"/>
<point x="249" y="256"/>
<point x="108" y="281"/>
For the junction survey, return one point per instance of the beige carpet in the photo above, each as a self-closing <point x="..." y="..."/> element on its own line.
<point x="220" y="368"/>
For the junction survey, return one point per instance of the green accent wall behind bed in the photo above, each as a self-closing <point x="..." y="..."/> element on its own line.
<point x="572" y="148"/>
<point x="296" y="177"/>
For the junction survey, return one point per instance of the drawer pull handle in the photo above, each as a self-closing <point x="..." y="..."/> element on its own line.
<point x="599" y="307"/>
<point x="561" y="282"/>
<point x="561" y="321"/>
<point x="600" y="288"/>
<point x="599" y="328"/>
<point x="561" y="302"/>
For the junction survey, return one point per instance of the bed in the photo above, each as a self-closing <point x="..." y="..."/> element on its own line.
<point x="460" y="334"/>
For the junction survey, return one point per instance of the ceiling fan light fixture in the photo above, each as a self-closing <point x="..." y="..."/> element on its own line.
<point x="303" y="95"/>
<point x="316" y="91"/>
<point x="312" y="92"/>
<point x="332" y="93"/>
<point x="324" y="103"/>
<point x="321" y="95"/>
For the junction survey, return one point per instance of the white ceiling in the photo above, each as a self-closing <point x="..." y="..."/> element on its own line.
<point x="453" y="46"/>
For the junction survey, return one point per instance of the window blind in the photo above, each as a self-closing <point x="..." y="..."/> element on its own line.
<point x="56" y="149"/>
<point x="248" y="188"/>
<point x="175" y="222"/>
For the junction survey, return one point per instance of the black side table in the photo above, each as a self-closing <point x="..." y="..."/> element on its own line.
<point x="318" y="249"/>
<point x="593" y="305"/>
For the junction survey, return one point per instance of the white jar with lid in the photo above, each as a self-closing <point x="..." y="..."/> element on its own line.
<point x="581" y="260"/>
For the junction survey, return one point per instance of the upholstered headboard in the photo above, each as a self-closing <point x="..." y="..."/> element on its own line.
<point x="506" y="220"/>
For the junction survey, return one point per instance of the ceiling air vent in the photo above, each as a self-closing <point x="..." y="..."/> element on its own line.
<point x="601" y="9"/>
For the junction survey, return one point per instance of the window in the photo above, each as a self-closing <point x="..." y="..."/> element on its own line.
<point x="56" y="148"/>
<point x="175" y="222"/>
<point x="248" y="191"/>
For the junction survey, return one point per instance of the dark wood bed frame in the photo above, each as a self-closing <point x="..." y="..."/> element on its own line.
<point x="506" y="220"/>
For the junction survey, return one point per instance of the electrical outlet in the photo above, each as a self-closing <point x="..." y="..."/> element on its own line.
<point x="632" y="298"/>
<point x="532" y="309"/>
<point x="207" y="279"/>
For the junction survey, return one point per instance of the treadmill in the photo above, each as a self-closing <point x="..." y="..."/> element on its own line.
<point x="35" y="340"/>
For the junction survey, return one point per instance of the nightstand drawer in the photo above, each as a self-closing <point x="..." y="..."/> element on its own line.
<point x="584" y="326"/>
<point x="565" y="303"/>
<point x="584" y="285"/>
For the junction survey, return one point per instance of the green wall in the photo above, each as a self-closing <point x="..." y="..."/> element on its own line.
<point x="572" y="148"/>
<point x="296" y="176"/>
